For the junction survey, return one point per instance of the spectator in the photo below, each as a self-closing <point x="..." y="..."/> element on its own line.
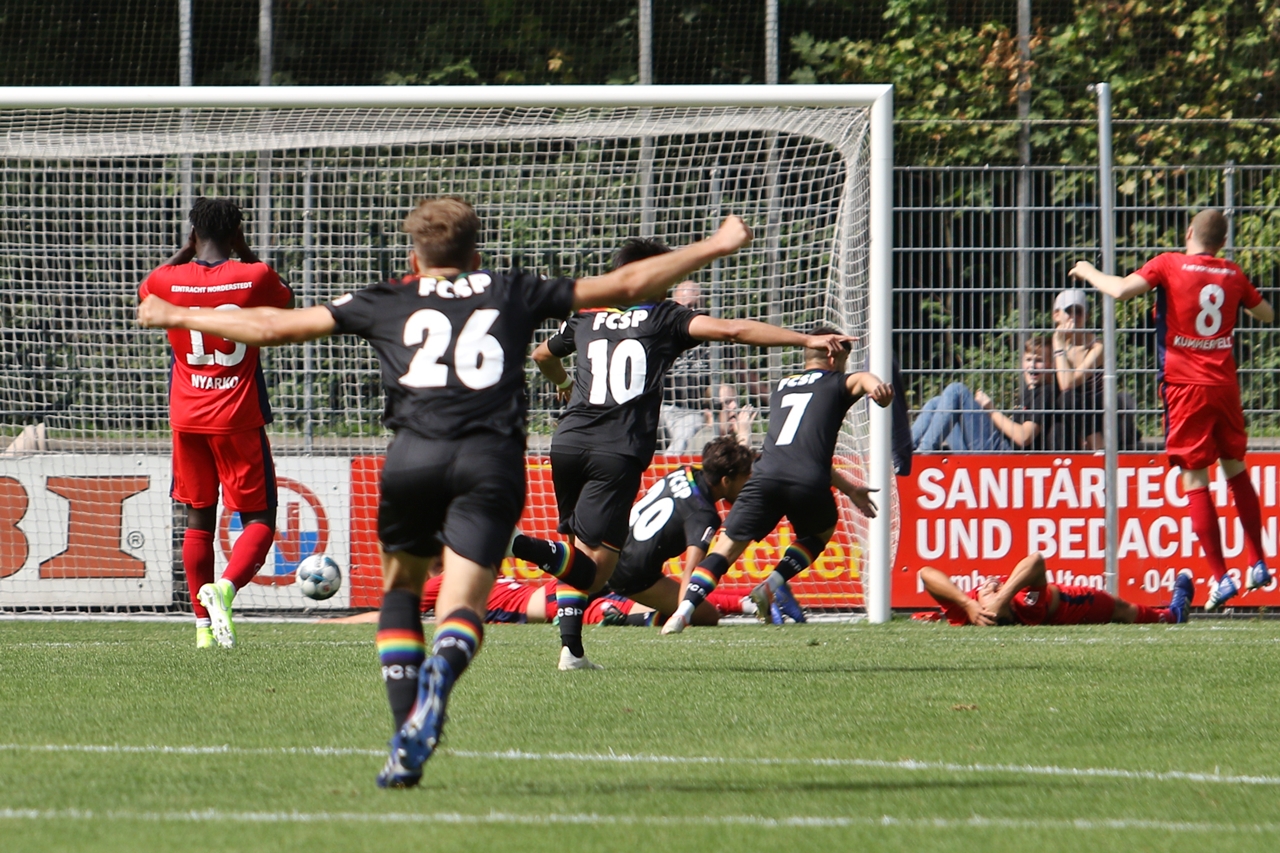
<point x="966" y="421"/>
<point x="1077" y="359"/>
<point x="686" y="396"/>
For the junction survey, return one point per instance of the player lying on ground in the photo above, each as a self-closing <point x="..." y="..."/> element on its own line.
<point x="1197" y="300"/>
<point x="793" y="477"/>
<point x="606" y="437"/>
<point x="451" y="339"/>
<point x="218" y="410"/>
<point x="1027" y="598"/>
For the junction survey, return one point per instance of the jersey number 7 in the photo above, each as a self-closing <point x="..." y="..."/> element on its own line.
<point x="797" y="403"/>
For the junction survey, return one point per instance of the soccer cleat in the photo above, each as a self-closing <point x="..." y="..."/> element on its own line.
<point x="204" y="637"/>
<point x="1184" y="592"/>
<point x="677" y="623"/>
<point x="787" y="604"/>
<point x="1257" y="577"/>
<point x="762" y="598"/>
<point x="1220" y="592"/>
<point x="420" y="734"/>
<point x="569" y="661"/>
<point x="217" y="598"/>
<point x="775" y="615"/>
<point x="612" y="616"/>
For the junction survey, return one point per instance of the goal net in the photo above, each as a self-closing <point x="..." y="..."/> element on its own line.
<point x="96" y="198"/>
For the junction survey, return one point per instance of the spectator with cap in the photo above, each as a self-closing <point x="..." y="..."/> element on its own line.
<point x="1077" y="363"/>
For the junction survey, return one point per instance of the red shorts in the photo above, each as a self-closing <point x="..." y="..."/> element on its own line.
<point x="240" y="462"/>
<point x="594" y="614"/>
<point x="509" y="601"/>
<point x="1202" y="424"/>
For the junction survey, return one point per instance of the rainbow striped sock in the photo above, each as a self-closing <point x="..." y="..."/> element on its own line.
<point x="401" y="650"/>
<point x="571" y="604"/>
<point x="703" y="581"/>
<point x="457" y="639"/>
<point x="799" y="556"/>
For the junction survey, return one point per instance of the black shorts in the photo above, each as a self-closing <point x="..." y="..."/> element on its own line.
<point x="594" y="494"/>
<point x="809" y="507"/>
<point x="466" y="493"/>
<point x="632" y="577"/>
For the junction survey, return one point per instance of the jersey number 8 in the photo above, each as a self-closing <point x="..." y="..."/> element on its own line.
<point x="477" y="356"/>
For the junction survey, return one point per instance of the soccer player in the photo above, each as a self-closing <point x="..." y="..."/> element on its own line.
<point x="451" y="339"/>
<point x="794" y="475"/>
<point x="1027" y="598"/>
<point x="1197" y="298"/>
<point x="606" y="438"/>
<point x="218" y="410"/>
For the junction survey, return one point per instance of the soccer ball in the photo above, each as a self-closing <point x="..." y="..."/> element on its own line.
<point x="319" y="577"/>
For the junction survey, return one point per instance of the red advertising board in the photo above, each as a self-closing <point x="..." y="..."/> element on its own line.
<point x="975" y="516"/>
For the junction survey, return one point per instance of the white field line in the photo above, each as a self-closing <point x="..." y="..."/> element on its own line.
<point x="499" y="818"/>
<point x="689" y="760"/>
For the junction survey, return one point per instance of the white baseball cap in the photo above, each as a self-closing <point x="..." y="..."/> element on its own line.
<point x="1070" y="299"/>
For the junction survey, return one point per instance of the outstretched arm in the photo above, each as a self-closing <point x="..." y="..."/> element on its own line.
<point x="943" y="591"/>
<point x="1124" y="288"/>
<point x="1262" y="312"/>
<point x="553" y="369"/>
<point x="755" y="333"/>
<point x="258" y="327"/>
<point x="650" y="278"/>
<point x="881" y="393"/>
<point x="859" y="494"/>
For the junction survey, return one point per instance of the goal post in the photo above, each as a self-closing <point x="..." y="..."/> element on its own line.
<point x="97" y="183"/>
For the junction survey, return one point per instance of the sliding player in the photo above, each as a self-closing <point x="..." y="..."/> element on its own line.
<point x="1027" y="598"/>
<point x="451" y="339"/>
<point x="794" y="475"/>
<point x="1198" y="298"/>
<point x="606" y="438"/>
<point x="218" y="410"/>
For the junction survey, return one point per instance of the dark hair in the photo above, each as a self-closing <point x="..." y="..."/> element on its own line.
<point x="811" y="354"/>
<point x="215" y="219"/>
<point x="444" y="231"/>
<point x="1210" y="228"/>
<point x="637" y="249"/>
<point x="726" y="457"/>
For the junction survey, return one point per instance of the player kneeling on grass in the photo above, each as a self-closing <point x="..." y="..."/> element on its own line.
<point x="1027" y="598"/>
<point x="793" y="477"/>
<point x="218" y="409"/>
<point x="451" y="340"/>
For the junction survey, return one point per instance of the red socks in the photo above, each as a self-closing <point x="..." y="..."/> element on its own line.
<point x="1204" y="521"/>
<point x="726" y="601"/>
<point x="1250" y="512"/>
<point x="197" y="561"/>
<point x="1147" y="615"/>
<point x="248" y="554"/>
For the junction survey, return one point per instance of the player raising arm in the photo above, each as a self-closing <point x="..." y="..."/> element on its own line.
<point x="217" y="410"/>
<point x="451" y="340"/>
<point x="606" y="438"/>
<point x="793" y="477"/>
<point x="1197" y="298"/>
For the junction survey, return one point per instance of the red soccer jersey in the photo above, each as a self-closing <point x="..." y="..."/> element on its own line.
<point x="1197" y="300"/>
<point x="216" y="386"/>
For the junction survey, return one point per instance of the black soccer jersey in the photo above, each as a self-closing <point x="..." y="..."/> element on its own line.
<point x="623" y="356"/>
<point x="805" y="414"/>
<point x="676" y="513"/>
<point x="453" y="351"/>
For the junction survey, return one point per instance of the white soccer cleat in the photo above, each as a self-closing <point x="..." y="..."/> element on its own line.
<point x="676" y="624"/>
<point x="217" y="598"/>
<point x="569" y="661"/>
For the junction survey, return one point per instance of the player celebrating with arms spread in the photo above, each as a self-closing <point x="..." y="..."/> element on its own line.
<point x="793" y="477"/>
<point x="451" y="339"/>
<point x="1197" y="297"/>
<point x="217" y="410"/>
<point x="606" y="438"/>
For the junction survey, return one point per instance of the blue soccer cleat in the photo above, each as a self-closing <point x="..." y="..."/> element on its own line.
<point x="775" y="615"/>
<point x="420" y="734"/>
<point x="1257" y="577"/>
<point x="787" y="604"/>
<point x="1220" y="592"/>
<point x="1184" y="591"/>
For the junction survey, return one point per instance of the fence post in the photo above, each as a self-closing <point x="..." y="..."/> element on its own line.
<point x="771" y="42"/>
<point x="1110" y="427"/>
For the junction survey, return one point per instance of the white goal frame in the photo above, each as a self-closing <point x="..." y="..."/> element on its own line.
<point x="878" y="98"/>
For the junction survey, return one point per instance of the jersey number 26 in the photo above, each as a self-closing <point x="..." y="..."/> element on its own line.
<point x="477" y="355"/>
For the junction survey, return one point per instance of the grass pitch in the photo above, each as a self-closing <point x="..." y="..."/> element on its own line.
<point x="121" y="736"/>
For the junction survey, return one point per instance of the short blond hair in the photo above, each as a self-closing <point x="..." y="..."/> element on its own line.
<point x="445" y="230"/>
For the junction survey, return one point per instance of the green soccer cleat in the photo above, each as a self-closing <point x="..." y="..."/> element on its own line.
<point x="204" y="637"/>
<point x="217" y="598"/>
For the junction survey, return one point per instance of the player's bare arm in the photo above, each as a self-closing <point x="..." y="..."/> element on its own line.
<point x="870" y="385"/>
<point x="650" y="278"/>
<point x="943" y="591"/>
<point x="1121" y="288"/>
<point x="755" y="333"/>
<point x="1029" y="572"/>
<point x="1262" y="312"/>
<point x="259" y="327"/>
<point x="859" y="494"/>
<point x="186" y="254"/>
<point x="552" y="368"/>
